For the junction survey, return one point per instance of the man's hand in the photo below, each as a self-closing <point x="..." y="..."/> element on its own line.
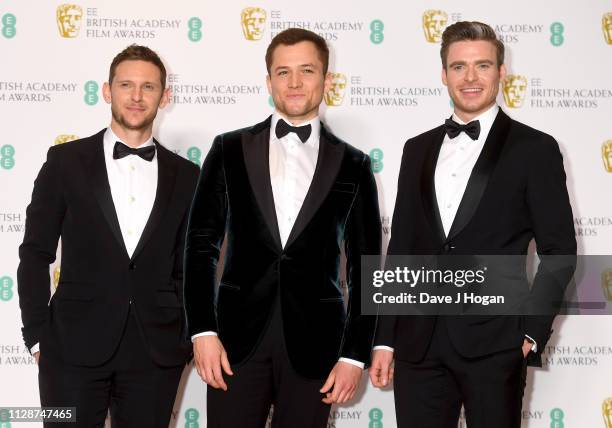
<point x="344" y="378"/>
<point x="210" y="357"/>
<point x="36" y="356"/>
<point x="381" y="372"/>
<point x="526" y="348"/>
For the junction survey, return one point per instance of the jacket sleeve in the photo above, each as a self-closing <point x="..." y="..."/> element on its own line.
<point x="363" y="237"/>
<point x="552" y="222"/>
<point x="44" y="218"/>
<point x="205" y="234"/>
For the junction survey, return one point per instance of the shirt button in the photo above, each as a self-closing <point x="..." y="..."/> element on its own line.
<point x="132" y="199"/>
<point x="130" y="233"/>
<point x="453" y="175"/>
<point x="448" y="206"/>
<point x="132" y="168"/>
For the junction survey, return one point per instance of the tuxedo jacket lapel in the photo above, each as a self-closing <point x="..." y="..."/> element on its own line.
<point x="166" y="177"/>
<point x="331" y="151"/>
<point x="101" y="189"/>
<point x="481" y="173"/>
<point x="428" y="187"/>
<point x="256" y="147"/>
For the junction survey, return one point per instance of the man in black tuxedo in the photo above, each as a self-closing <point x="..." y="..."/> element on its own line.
<point x="480" y="184"/>
<point x="113" y="335"/>
<point x="287" y="194"/>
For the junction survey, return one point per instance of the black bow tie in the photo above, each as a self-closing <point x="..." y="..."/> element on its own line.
<point x="121" y="151"/>
<point x="283" y="128"/>
<point x="453" y="129"/>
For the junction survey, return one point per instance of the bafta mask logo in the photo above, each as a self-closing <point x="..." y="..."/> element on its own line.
<point x="606" y="26"/>
<point x="64" y="138"/>
<point x="253" y="20"/>
<point x="606" y="411"/>
<point x="335" y="95"/>
<point x="606" y="283"/>
<point x="69" y="20"/>
<point x="56" y="277"/>
<point x="514" y="89"/>
<point x="434" y="22"/>
<point x="606" y="155"/>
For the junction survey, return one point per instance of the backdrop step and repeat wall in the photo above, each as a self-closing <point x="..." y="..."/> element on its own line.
<point x="387" y="88"/>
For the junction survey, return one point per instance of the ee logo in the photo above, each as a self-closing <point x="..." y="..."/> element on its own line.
<point x="556" y="418"/>
<point x="91" y="92"/>
<point x="376" y="155"/>
<point x="6" y="288"/>
<point x="556" y="30"/>
<point x="8" y="25"/>
<point x="7" y="159"/>
<point x="375" y="418"/>
<point x="191" y="418"/>
<point x="195" y="29"/>
<point x="194" y="154"/>
<point x="376" y="28"/>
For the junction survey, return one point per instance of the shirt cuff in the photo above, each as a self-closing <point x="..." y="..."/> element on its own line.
<point x="205" y="333"/>
<point x="34" y="349"/>
<point x="534" y="344"/>
<point x="353" y="362"/>
<point x="386" y="348"/>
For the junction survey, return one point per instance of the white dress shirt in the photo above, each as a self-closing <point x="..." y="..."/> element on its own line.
<point x="455" y="164"/>
<point x="292" y="167"/>
<point x="133" y="185"/>
<point x="456" y="161"/>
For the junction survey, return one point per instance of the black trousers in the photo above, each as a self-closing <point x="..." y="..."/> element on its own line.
<point x="137" y="392"/>
<point x="429" y="394"/>
<point x="266" y="379"/>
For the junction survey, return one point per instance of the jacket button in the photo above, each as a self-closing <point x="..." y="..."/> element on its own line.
<point x="132" y="266"/>
<point x="446" y="248"/>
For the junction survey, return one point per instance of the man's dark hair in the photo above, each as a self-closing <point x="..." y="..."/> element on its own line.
<point x="292" y="36"/>
<point x="470" y="30"/>
<point x="138" y="53"/>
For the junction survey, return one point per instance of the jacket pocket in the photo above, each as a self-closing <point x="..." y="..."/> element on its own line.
<point x="343" y="187"/>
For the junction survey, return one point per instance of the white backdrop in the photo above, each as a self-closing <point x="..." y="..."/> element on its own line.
<point x="386" y="55"/>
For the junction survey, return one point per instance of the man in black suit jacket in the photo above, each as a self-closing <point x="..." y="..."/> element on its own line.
<point x="485" y="187"/>
<point x="287" y="194"/>
<point x="113" y="334"/>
